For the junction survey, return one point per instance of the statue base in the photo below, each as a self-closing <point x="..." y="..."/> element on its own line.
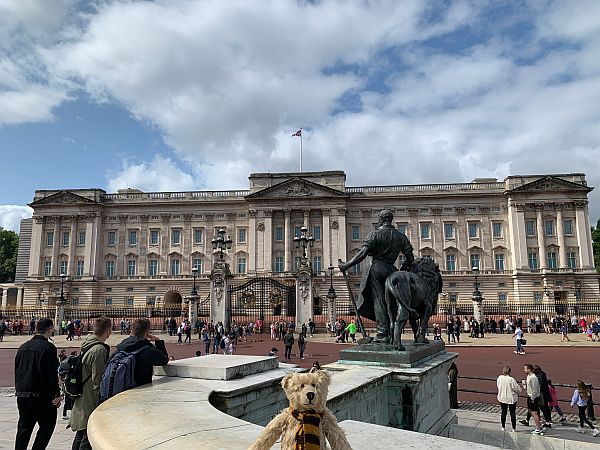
<point x="385" y="354"/>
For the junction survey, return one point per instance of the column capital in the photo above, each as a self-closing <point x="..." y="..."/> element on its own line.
<point x="268" y="213"/>
<point x="581" y="204"/>
<point x="252" y="213"/>
<point x="39" y="219"/>
<point x="539" y="207"/>
<point x="187" y="217"/>
<point x="144" y="217"/>
<point x="325" y="211"/>
<point x="287" y="213"/>
<point x="122" y="218"/>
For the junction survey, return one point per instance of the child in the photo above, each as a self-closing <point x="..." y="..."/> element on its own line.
<point x="564" y="331"/>
<point x="580" y="398"/>
<point x="589" y="333"/>
<point x="554" y="402"/>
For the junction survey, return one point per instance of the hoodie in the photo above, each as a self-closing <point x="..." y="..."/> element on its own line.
<point x="152" y="355"/>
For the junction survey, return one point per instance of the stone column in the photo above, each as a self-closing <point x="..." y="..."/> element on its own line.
<point x="220" y="276"/>
<point x="143" y="245"/>
<point x="517" y="237"/>
<point x="287" y="239"/>
<point x="56" y="246"/>
<point x="186" y="245"/>
<point x="209" y="235"/>
<point x="19" y="297"/>
<point x="122" y="244"/>
<point x="165" y="244"/>
<point x="93" y="254"/>
<point x="540" y="236"/>
<point x="562" y="251"/>
<point x="306" y="220"/>
<point x="326" y="237"/>
<point x="341" y="243"/>
<point x="583" y="235"/>
<point x="73" y="241"/>
<point x="304" y="294"/>
<point x="37" y="246"/>
<point x="268" y="243"/>
<point x="4" y="297"/>
<point x="251" y="242"/>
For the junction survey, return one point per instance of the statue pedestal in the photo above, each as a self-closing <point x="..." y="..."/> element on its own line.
<point x="386" y="355"/>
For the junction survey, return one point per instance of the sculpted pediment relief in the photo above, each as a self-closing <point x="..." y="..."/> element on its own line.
<point x="550" y="184"/>
<point x="296" y="188"/>
<point x="62" y="198"/>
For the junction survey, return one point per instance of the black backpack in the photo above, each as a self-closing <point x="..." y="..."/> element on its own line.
<point x="119" y="373"/>
<point x="71" y="369"/>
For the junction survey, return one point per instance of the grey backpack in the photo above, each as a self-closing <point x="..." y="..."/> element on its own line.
<point x="118" y="375"/>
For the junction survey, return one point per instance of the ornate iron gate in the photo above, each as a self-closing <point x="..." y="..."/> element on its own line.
<point x="263" y="298"/>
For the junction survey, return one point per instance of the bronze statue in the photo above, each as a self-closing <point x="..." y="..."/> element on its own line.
<point x="381" y="249"/>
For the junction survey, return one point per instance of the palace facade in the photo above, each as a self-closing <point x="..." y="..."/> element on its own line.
<point x="529" y="236"/>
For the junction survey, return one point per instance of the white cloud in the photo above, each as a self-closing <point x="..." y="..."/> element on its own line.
<point x="11" y="216"/>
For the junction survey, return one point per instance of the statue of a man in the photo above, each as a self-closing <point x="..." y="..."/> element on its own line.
<point x="381" y="248"/>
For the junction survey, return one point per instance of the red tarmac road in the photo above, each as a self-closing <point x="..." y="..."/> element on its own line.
<point x="562" y="364"/>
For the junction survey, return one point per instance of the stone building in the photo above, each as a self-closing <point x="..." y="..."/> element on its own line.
<point x="529" y="236"/>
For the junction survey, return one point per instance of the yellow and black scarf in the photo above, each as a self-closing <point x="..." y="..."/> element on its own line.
<point x="308" y="435"/>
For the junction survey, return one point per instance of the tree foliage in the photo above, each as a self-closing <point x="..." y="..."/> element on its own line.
<point x="9" y="246"/>
<point x="596" y="244"/>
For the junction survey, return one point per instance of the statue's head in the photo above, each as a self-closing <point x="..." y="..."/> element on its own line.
<point x="385" y="216"/>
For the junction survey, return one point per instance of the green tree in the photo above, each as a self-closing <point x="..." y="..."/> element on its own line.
<point x="596" y="244"/>
<point x="9" y="246"/>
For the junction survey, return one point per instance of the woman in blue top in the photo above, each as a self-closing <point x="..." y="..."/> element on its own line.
<point x="580" y="398"/>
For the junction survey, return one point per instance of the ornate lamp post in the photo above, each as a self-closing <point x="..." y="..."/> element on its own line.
<point x="192" y="312"/>
<point x="477" y="297"/>
<point x="331" y="296"/>
<point x="60" y="304"/>
<point x="304" y="241"/>
<point x="220" y="243"/>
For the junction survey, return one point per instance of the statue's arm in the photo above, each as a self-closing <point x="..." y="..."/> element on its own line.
<point x="362" y="254"/>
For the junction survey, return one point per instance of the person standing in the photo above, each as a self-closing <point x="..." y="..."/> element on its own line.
<point x="351" y="329"/>
<point x="36" y="387"/>
<point x="457" y="330"/>
<point x="533" y="397"/>
<point x="95" y="354"/>
<point x="580" y="398"/>
<point x="311" y="327"/>
<point x="508" y="395"/>
<point x="450" y="330"/>
<point x="553" y="404"/>
<point x="288" y="341"/>
<point x="519" y="340"/>
<point x="301" y="345"/>
<point x="564" y="331"/>
<point x="206" y="341"/>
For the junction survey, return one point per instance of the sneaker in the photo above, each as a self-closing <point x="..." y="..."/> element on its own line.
<point x="503" y="429"/>
<point x="547" y="425"/>
<point x="515" y="352"/>
<point x="513" y="431"/>
<point x="537" y="432"/>
<point x="65" y="417"/>
<point x="524" y="422"/>
<point x="595" y="432"/>
<point x="580" y="430"/>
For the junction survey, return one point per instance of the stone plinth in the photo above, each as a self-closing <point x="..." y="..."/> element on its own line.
<point x="386" y="355"/>
<point x="218" y="367"/>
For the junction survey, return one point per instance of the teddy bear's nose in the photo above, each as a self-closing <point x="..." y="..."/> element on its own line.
<point x="310" y="395"/>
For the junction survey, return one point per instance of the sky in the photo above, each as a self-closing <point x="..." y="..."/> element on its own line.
<point x="191" y="95"/>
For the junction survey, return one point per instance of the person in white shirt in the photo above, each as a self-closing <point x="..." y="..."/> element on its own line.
<point x="533" y="397"/>
<point x="519" y="335"/>
<point x="508" y="395"/>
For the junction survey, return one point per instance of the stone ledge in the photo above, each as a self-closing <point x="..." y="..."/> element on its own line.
<point x="218" y="367"/>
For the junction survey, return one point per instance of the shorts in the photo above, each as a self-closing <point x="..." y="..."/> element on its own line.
<point x="533" y="404"/>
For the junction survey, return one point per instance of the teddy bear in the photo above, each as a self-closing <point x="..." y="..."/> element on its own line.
<point x="307" y="422"/>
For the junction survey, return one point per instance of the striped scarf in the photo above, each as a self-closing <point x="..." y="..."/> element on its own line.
<point x="308" y="436"/>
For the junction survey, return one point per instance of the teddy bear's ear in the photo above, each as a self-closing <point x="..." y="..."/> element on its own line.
<point x="324" y="377"/>
<point x="286" y="380"/>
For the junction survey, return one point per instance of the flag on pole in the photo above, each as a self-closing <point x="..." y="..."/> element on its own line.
<point x="298" y="133"/>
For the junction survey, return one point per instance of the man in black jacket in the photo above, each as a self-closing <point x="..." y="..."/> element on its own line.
<point x="152" y="355"/>
<point x="36" y="386"/>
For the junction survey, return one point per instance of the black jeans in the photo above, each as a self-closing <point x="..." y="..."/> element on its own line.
<point x="301" y="348"/>
<point x="288" y="352"/>
<point x="34" y="410"/>
<point x="512" y="407"/>
<point x="583" y="418"/>
<point x="81" y="441"/>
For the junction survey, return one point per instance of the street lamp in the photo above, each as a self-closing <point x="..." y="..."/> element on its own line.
<point x="578" y="290"/>
<point x="61" y="300"/>
<point x="304" y="240"/>
<point x="477" y="297"/>
<point x="60" y="305"/>
<point x="194" y="295"/>
<point x="331" y="296"/>
<point x="219" y="242"/>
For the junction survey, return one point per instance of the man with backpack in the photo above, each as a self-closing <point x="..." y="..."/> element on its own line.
<point x="93" y="357"/>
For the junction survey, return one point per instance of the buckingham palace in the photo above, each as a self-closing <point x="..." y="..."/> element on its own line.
<point x="527" y="238"/>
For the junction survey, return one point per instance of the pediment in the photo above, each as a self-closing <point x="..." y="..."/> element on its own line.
<point x="550" y="184"/>
<point x="296" y="188"/>
<point x="62" y="198"/>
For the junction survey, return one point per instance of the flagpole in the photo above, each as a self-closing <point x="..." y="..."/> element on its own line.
<point x="300" y="149"/>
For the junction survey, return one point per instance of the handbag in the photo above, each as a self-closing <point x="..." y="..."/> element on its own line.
<point x="523" y="341"/>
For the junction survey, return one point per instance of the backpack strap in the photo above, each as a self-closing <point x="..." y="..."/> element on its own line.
<point x="82" y="355"/>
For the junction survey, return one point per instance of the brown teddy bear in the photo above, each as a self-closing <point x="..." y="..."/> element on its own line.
<point x="307" y="422"/>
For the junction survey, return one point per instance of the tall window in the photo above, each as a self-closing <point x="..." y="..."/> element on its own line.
<point x="197" y="236"/>
<point x="175" y="267"/>
<point x="449" y="230"/>
<point x="317" y="233"/>
<point x="356" y="269"/>
<point x="111" y="238"/>
<point x="355" y="232"/>
<point x="110" y="268"/>
<point x="62" y="267"/>
<point x="108" y="301"/>
<point x="402" y="228"/>
<point x="197" y="264"/>
<point x="472" y="230"/>
<point x="475" y="260"/>
<point x="50" y="239"/>
<point x="81" y="238"/>
<point x="499" y="261"/>
<point x="296" y="262"/>
<point x="65" y="238"/>
<point x="129" y="301"/>
<point x="241" y="264"/>
<point x="502" y="297"/>
<point x="497" y="229"/>
<point x="47" y="268"/>
<point x="175" y="237"/>
<point x="279" y="264"/>
<point x="571" y="260"/>
<point x="451" y="262"/>
<point x="241" y="236"/>
<point x="80" y="267"/>
<point x="552" y="260"/>
<point x="549" y="227"/>
<point x="532" y="258"/>
<point x="153" y="237"/>
<point x="131" y="268"/>
<point x="537" y="297"/>
<point x="279" y="233"/>
<point x="297" y="231"/>
<point x="530" y="228"/>
<point x="132" y="237"/>
<point x="425" y="231"/>
<point x="153" y="267"/>
<point x="568" y="227"/>
<point x="317" y="264"/>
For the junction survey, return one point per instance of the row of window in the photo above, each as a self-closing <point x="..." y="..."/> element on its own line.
<point x="280" y="232"/>
<point x="66" y="238"/>
<point x="549" y="227"/>
<point x="551" y="260"/>
<point x="63" y="266"/>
